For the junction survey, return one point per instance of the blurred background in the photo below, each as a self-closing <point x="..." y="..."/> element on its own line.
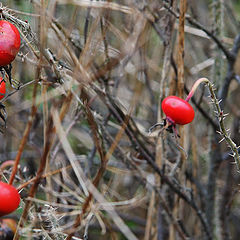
<point x="93" y="75"/>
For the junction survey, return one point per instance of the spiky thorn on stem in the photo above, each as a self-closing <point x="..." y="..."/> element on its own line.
<point x="220" y="116"/>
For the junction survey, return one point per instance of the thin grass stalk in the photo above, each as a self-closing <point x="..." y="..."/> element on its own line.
<point x="179" y="204"/>
<point x="180" y="66"/>
<point x="44" y="87"/>
<point x="217" y="77"/>
<point x="160" y="159"/>
<point x="180" y="55"/>
<point x="150" y="214"/>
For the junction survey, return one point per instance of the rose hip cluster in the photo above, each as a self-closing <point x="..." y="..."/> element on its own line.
<point x="9" y="46"/>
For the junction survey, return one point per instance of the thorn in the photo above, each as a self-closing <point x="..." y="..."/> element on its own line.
<point x="232" y="155"/>
<point x="225" y="114"/>
<point x="219" y="101"/>
<point x="221" y="140"/>
<point x="220" y="133"/>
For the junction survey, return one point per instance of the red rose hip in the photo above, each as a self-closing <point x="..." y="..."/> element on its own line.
<point x="9" y="199"/>
<point x="9" y="42"/>
<point x="177" y="110"/>
<point x="2" y="88"/>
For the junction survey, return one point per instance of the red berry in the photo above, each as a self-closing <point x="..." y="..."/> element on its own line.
<point x="9" y="42"/>
<point x="177" y="110"/>
<point x="9" y="199"/>
<point x="2" y="88"/>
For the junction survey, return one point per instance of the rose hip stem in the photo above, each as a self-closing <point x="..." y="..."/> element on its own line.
<point x="195" y="86"/>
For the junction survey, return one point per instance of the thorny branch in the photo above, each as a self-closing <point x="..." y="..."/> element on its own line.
<point x="221" y="116"/>
<point x="223" y="131"/>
